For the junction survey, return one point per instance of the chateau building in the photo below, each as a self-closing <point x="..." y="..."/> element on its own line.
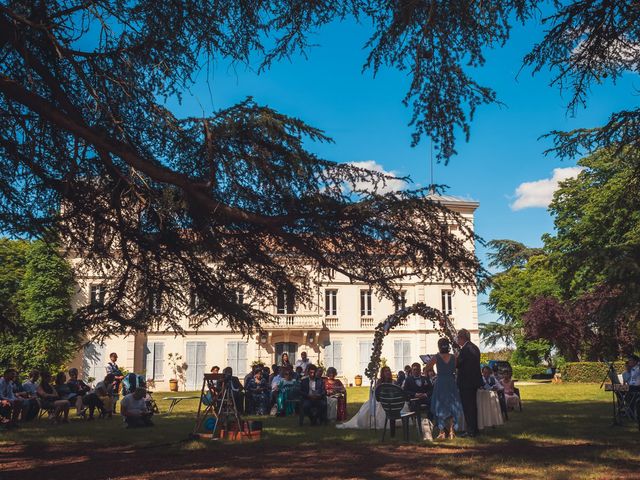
<point x="337" y="332"/>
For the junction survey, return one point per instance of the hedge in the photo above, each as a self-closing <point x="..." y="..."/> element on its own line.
<point x="525" y="373"/>
<point x="587" y="371"/>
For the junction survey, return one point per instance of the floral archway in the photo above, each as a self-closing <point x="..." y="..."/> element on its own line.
<point x="441" y="323"/>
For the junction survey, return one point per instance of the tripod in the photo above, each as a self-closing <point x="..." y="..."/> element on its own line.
<point x="613" y="376"/>
<point x="228" y="410"/>
<point x="219" y="402"/>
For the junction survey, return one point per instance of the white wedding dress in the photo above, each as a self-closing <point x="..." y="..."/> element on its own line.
<point x="363" y="419"/>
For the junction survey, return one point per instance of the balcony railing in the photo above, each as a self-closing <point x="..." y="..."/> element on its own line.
<point x="366" y="322"/>
<point x="298" y="321"/>
<point x="332" y="322"/>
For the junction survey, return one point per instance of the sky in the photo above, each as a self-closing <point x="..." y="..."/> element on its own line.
<point x="502" y="166"/>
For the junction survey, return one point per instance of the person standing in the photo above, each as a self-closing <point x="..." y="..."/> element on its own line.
<point x="303" y="362"/>
<point x="446" y="407"/>
<point x="284" y="360"/>
<point x="113" y="368"/>
<point x="469" y="380"/>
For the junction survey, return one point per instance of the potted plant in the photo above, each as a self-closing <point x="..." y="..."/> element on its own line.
<point x="178" y="368"/>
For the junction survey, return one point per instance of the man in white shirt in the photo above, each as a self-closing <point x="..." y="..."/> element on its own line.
<point x="133" y="408"/>
<point x="31" y="385"/>
<point x="303" y="362"/>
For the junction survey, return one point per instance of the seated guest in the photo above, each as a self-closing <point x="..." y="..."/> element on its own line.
<point x="274" y="373"/>
<point x="400" y="378"/>
<point x="337" y="396"/>
<point x="431" y="373"/>
<point x="407" y="371"/>
<point x="509" y="391"/>
<point x="31" y="385"/>
<point x="86" y="399"/>
<point x="314" y="397"/>
<point x="133" y="408"/>
<point x="286" y="386"/>
<point x="489" y="382"/>
<point x="28" y="394"/>
<point x="105" y="392"/>
<point x="284" y="360"/>
<point x="12" y="404"/>
<point x="418" y="387"/>
<point x="51" y="401"/>
<point x="248" y="407"/>
<point x="320" y="373"/>
<point x="236" y="387"/>
<point x="258" y="390"/>
<point x="63" y="389"/>
<point x="217" y="384"/>
<point x="299" y="374"/>
<point x="274" y="381"/>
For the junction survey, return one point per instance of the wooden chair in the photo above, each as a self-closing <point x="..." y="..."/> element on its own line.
<point x="392" y="399"/>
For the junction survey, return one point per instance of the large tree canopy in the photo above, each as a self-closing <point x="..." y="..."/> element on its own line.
<point x="89" y="149"/>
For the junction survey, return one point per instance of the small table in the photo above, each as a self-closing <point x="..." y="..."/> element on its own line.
<point x="489" y="413"/>
<point x="177" y="400"/>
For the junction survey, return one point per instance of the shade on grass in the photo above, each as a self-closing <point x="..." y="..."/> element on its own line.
<point x="563" y="432"/>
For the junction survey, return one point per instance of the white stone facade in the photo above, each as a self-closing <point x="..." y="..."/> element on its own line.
<point x="338" y="332"/>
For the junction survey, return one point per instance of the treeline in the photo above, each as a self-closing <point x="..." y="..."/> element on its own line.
<point x="577" y="297"/>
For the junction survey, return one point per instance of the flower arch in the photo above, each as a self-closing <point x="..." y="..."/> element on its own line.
<point x="441" y="322"/>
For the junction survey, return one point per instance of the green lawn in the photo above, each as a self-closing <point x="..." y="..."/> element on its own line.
<point x="563" y="432"/>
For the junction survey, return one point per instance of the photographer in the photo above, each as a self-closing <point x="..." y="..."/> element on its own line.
<point x="133" y="408"/>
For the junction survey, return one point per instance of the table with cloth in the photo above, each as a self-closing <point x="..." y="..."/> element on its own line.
<point x="489" y="413"/>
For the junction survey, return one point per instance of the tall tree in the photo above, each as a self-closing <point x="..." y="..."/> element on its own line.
<point x="596" y="248"/>
<point x="198" y="206"/>
<point x="512" y="292"/>
<point x="44" y="334"/>
<point x="88" y="146"/>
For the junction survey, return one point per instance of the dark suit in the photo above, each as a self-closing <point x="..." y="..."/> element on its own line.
<point x="469" y="380"/>
<point x="412" y="388"/>
<point x="314" y="408"/>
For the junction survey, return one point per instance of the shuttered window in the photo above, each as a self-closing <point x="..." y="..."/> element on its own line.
<point x="237" y="357"/>
<point x="333" y="356"/>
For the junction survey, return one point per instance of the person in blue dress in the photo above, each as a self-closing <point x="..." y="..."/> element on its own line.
<point x="445" y="401"/>
<point x="258" y="388"/>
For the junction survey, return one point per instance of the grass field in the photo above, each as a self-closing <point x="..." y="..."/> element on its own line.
<point x="564" y="432"/>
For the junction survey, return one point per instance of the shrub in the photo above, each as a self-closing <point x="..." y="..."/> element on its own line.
<point x="521" y="372"/>
<point x="587" y="371"/>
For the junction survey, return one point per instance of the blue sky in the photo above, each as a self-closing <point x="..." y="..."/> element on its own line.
<point x="366" y="119"/>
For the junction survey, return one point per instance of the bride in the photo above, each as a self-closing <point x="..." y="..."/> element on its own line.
<point x="363" y="419"/>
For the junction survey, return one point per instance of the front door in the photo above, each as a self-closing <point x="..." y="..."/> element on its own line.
<point x="196" y="364"/>
<point x="289" y="348"/>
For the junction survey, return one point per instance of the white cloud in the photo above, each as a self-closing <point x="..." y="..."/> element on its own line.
<point x="392" y="185"/>
<point x="538" y="194"/>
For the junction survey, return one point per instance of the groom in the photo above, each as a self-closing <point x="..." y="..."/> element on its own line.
<point x="469" y="380"/>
